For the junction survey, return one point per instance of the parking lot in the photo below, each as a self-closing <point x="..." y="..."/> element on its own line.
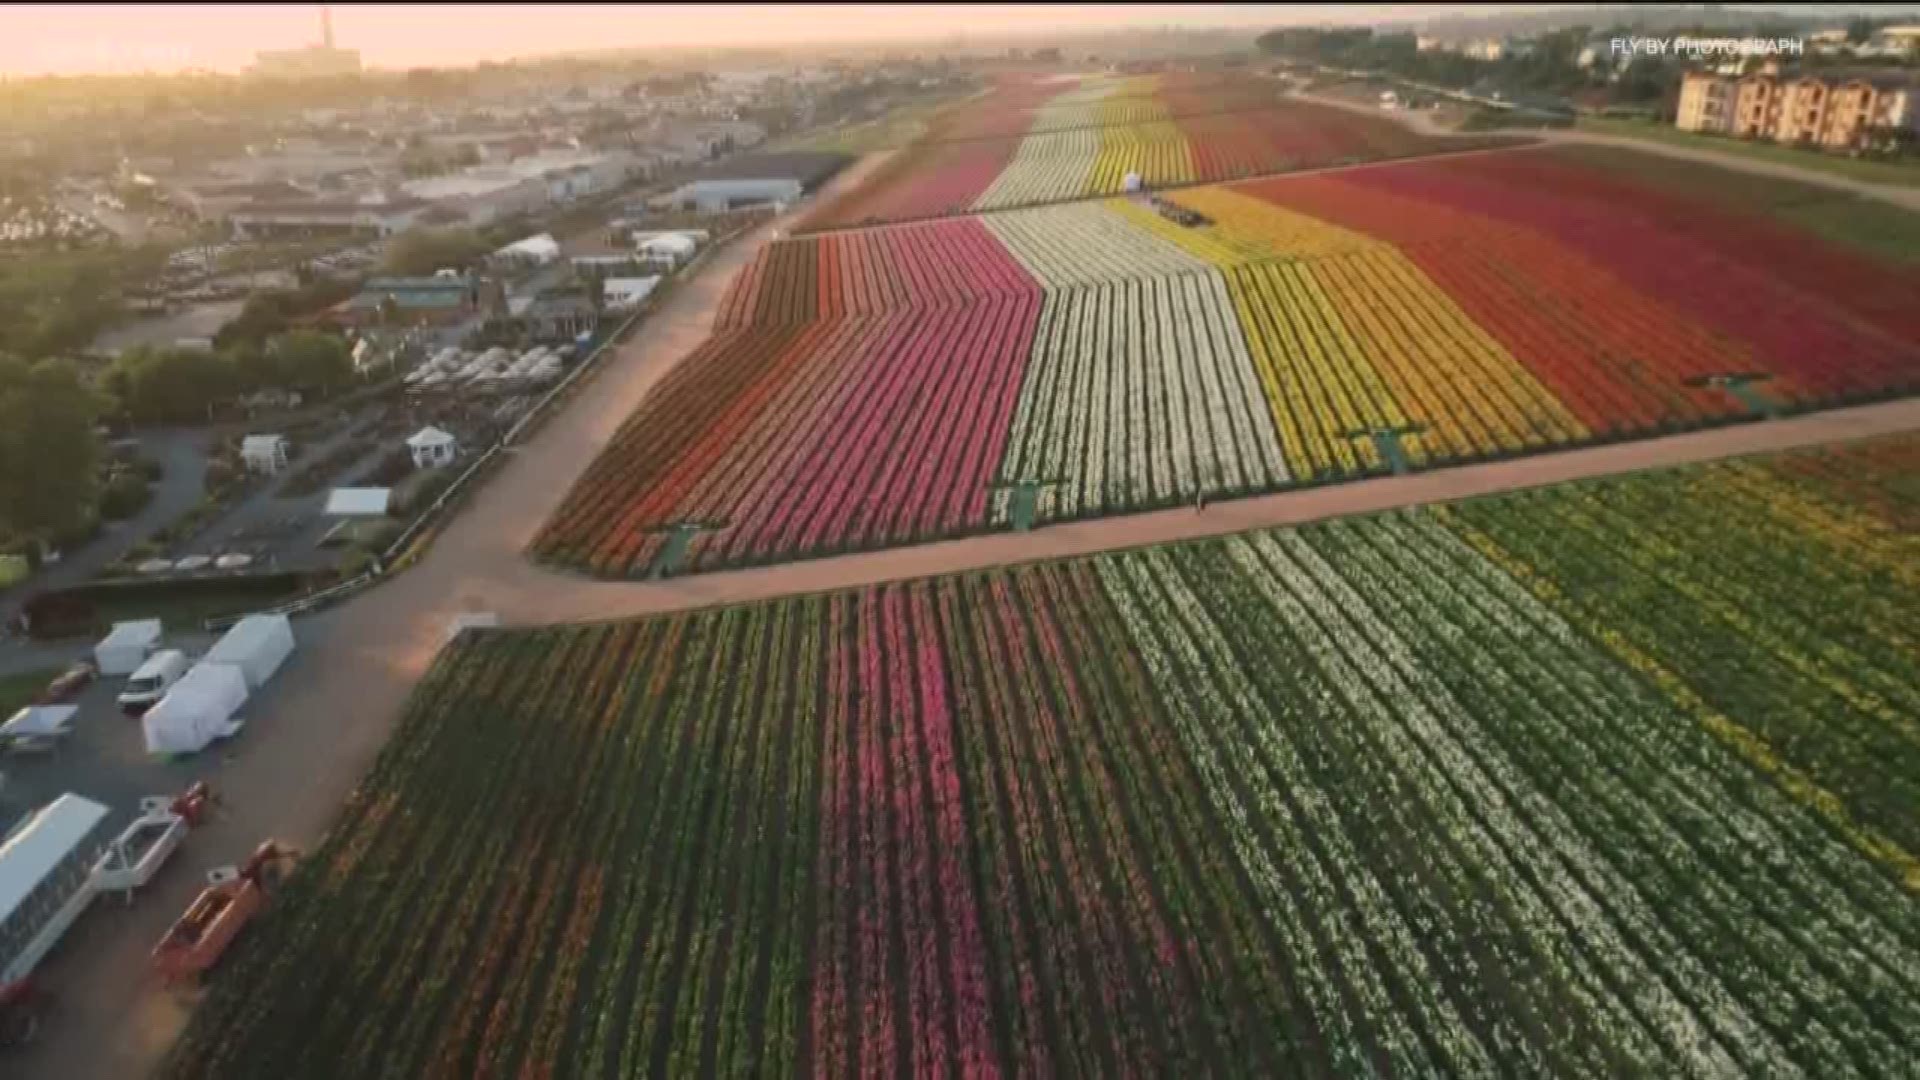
<point x="104" y="759"/>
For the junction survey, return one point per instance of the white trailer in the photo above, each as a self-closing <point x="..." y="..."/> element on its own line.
<point x="132" y="858"/>
<point x="257" y="645"/>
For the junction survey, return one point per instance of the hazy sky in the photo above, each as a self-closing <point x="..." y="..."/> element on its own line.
<point x="47" y="38"/>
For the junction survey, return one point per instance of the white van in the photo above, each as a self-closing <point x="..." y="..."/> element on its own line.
<point x="152" y="681"/>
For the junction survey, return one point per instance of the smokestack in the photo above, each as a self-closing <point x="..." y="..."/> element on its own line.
<point x="326" y="26"/>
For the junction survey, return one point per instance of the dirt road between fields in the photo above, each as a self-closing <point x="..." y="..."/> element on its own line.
<point x="312" y="733"/>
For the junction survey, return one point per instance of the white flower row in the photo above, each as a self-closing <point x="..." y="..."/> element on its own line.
<point x="1703" y="1031"/>
<point x="1277" y="768"/>
<point x="1280" y="905"/>
<point x="1608" y="806"/>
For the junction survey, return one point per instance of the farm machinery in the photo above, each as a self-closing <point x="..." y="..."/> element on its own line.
<point x="52" y="868"/>
<point x="233" y="896"/>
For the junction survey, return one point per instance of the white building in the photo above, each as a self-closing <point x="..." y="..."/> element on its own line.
<point x="720" y="196"/>
<point x="668" y="250"/>
<point x="529" y="252"/>
<point x="264" y="453"/>
<point x="432" y="448"/>
<point x="482" y="195"/>
<point x="620" y="293"/>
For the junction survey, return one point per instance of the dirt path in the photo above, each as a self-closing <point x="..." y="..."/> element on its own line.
<point x="1907" y="198"/>
<point x="314" y="731"/>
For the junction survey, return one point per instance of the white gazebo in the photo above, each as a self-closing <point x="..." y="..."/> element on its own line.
<point x="264" y="453"/>
<point x="432" y="448"/>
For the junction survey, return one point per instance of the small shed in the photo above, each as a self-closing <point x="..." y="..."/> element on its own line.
<point x="264" y="453"/>
<point x="126" y="646"/>
<point x="624" y="292"/>
<point x="432" y="448"/>
<point x="359" y="502"/>
<point x="668" y="249"/>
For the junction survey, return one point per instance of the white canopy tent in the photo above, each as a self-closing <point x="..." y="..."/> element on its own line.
<point x="126" y="646"/>
<point x="264" y="453"/>
<point x="359" y="502"/>
<point x="432" y="447"/>
<point x="536" y="250"/>
<point x="257" y="645"/>
<point x="625" y="292"/>
<point x="198" y="710"/>
<point x="39" y="725"/>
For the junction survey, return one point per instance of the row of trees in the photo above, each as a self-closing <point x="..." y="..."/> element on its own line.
<point x="49" y="452"/>
<point x="183" y="386"/>
<point x="50" y="445"/>
<point x="54" y="302"/>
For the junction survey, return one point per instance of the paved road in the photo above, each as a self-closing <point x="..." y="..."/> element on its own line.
<point x="1904" y="197"/>
<point x="316" y="728"/>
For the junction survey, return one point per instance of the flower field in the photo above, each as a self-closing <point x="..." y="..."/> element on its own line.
<point x="1609" y="779"/>
<point x="890" y="385"/>
<point x="1028" y="143"/>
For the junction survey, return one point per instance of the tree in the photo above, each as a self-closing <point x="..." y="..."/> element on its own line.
<point x="172" y="385"/>
<point x="309" y="361"/>
<point x="48" y="449"/>
<point x="424" y="251"/>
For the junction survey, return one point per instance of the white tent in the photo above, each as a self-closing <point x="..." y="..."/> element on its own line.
<point x="126" y="646"/>
<point x="538" y="250"/>
<point x="358" y="502"/>
<point x="257" y="645"/>
<point x="432" y="447"/>
<point x="40" y="722"/>
<point x="479" y="620"/>
<point x="670" y="249"/>
<point x="198" y="710"/>
<point x="264" y="453"/>
<point x="626" y="291"/>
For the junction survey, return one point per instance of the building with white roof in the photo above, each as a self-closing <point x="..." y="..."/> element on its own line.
<point x="359" y="502"/>
<point x="432" y="448"/>
<point x="625" y="292"/>
<point x="528" y="252"/>
<point x="264" y="453"/>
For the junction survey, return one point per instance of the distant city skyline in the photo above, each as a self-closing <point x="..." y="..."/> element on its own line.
<point x="40" y="39"/>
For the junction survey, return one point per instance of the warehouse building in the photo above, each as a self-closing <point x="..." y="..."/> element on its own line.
<point x="754" y="180"/>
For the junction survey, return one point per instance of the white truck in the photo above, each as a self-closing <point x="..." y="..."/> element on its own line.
<point x="152" y="680"/>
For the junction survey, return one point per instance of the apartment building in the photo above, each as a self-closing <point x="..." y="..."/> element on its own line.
<point x="1707" y="103"/>
<point x="1838" y="111"/>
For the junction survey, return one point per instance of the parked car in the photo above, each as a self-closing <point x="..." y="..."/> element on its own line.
<point x="67" y="685"/>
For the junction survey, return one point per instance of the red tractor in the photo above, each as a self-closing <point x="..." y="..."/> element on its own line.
<point x="232" y="898"/>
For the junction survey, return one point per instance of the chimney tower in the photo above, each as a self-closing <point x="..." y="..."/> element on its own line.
<point x="326" y="27"/>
